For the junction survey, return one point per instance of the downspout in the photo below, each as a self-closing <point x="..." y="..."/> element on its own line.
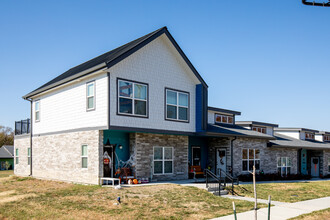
<point x="108" y="75"/>
<point x="232" y="155"/>
<point x="30" y="100"/>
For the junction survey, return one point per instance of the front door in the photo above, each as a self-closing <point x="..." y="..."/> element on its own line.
<point x="221" y="160"/>
<point x="196" y="156"/>
<point x="315" y="166"/>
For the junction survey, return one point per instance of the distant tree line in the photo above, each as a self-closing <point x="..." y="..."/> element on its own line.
<point x="6" y="136"/>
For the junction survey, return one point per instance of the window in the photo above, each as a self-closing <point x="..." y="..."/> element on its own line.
<point x="29" y="156"/>
<point x="309" y="136"/>
<point x="177" y="105"/>
<point x="250" y="157"/>
<point x="224" y="119"/>
<point x="284" y="165"/>
<point x="163" y="160"/>
<point x="37" y="110"/>
<point x="132" y="98"/>
<point x="259" y="129"/>
<point x="84" y="156"/>
<point x="16" y="155"/>
<point x="90" y="96"/>
<point x="326" y="138"/>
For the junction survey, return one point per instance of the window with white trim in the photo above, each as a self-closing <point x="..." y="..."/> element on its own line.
<point x="177" y="105"/>
<point x="259" y="129"/>
<point x="90" y="96"/>
<point x="132" y="98"/>
<point x="163" y="160"/>
<point x="37" y="110"/>
<point x="284" y="165"/>
<point x="29" y="156"/>
<point x="250" y="158"/>
<point x="17" y="156"/>
<point x="84" y="156"/>
<point x="224" y="119"/>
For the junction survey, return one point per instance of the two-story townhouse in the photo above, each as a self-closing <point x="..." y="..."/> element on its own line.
<point x="231" y="148"/>
<point x="142" y="99"/>
<point x="305" y="154"/>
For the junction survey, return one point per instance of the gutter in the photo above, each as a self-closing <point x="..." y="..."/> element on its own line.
<point x="316" y="3"/>
<point x="30" y="100"/>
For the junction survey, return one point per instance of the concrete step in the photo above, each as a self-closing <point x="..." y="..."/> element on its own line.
<point x="212" y="189"/>
<point x="222" y="192"/>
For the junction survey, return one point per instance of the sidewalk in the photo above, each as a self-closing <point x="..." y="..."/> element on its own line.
<point x="281" y="210"/>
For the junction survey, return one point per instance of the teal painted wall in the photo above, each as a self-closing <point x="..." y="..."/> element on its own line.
<point x="201" y="142"/>
<point x="119" y="138"/>
<point x="11" y="161"/>
<point x="304" y="162"/>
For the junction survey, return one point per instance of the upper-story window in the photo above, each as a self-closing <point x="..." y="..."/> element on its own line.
<point x="224" y="119"/>
<point x="37" y="110"/>
<point x="259" y="129"/>
<point x="132" y="98"/>
<point x="177" y="105"/>
<point x="90" y="96"/>
<point x="326" y="138"/>
<point x="309" y="136"/>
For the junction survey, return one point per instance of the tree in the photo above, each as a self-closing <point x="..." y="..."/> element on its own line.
<point x="7" y="165"/>
<point x="6" y="136"/>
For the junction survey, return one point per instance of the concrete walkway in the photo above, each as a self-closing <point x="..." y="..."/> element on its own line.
<point x="281" y="210"/>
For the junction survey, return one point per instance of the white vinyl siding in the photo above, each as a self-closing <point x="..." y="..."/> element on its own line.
<point x="159" y="65"/>
<point x="65" y="108"/>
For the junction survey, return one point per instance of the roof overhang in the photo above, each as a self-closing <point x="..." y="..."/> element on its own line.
<point x="221" y="110"/>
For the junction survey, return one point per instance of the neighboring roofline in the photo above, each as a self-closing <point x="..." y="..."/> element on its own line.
<point x="216" y="134"/>
<point x="255" y="123"/>
<point x="295" y="129"/>
<point x="5" y="147"/>
<point x="119" y="58"/>
<point x="299" y="147"/>
<point x="223" y="110"/>
<point x="323" y="132"/>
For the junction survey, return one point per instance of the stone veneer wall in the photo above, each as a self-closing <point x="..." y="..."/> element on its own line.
<point x="326" y="160"/>
<point x="22" y="143"/>
<point x="213" y="144"/>
<point x="58" y="156"/>
<point x="142" y="145"/>
<point x="268" y="155"/>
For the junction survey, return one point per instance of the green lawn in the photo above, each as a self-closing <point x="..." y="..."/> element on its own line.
<point x="288" y="192"/>
<point x="6" y="173"/>
<point x="317" y="215"/>
<point x="50" y="199"/>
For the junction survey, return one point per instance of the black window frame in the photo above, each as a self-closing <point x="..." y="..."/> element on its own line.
<point x="147" y="100"/>
<point x="165" y="105"/>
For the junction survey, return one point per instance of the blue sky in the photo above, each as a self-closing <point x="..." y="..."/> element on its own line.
<point x="267" y="59"/>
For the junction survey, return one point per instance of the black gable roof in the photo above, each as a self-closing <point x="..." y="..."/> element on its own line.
<point x="111" y="58"/>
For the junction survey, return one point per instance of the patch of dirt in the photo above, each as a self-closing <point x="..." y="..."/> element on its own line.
<point x="6" y="193"/>
<point x="15" y="198"/>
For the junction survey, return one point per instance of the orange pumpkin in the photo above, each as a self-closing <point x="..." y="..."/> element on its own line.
<point x="135" y="181"/>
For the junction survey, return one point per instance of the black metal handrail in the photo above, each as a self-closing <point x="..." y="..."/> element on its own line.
<point x="212" y="181"/>
<point x="22" y="127"/>
<point x="231" y="178"/>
